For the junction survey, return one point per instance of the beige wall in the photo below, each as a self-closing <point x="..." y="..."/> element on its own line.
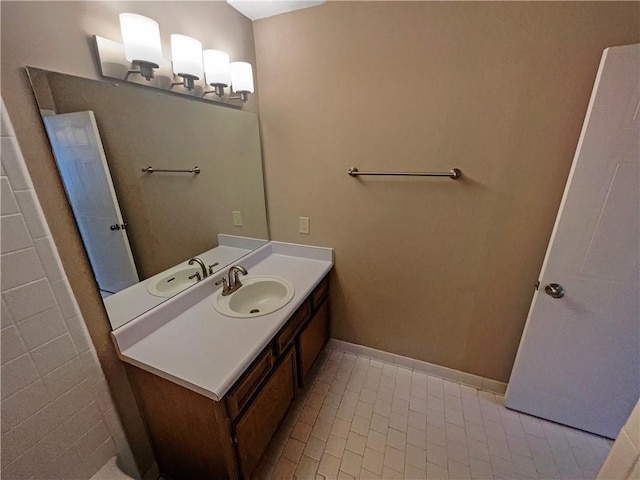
<point x="433" y="269"/>
<point x="56" y="36"/>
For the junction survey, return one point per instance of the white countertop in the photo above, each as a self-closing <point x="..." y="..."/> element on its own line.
<point x="132" y="302"/>
<point x="187" y="341"/>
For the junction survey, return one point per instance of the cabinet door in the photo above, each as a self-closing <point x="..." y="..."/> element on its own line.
<point x="260" y="421"/>
<point x="313" y="338"/>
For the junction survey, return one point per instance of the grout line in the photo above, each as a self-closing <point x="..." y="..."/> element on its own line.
<point x="20" y="249"/>
<point x="26" y="285"/>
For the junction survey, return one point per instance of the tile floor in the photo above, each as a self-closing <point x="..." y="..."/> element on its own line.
<point x="361" y="418"/>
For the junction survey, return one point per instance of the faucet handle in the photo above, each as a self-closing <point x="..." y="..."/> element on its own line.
<point x="225" y="284"/>
<point x="211" y="267"/>
<point x="196" y="275"/>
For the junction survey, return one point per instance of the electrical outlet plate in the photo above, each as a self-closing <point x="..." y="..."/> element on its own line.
<point x="303" y="225"/>
<point x="237" y="218"/>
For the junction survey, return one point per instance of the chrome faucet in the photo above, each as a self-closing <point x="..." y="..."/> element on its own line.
<point x="233" y="283"/>
<point x="202" y="266"/>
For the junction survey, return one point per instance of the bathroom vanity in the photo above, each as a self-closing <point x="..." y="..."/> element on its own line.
<point x="214" y="389"/>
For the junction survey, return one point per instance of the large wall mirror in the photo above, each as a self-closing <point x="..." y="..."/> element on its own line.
<point x="140" y="228"/>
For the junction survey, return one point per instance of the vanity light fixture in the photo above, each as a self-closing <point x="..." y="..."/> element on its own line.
<point x="216" y="70"/>
<point x="186" y="53"/>
<point x="199" y="72"/>
<point x="141" y="41"/>
<point x="241" y="80"/>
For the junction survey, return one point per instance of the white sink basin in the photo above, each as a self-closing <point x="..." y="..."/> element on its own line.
<point x="173" y="281"/>
<point x="257" y="296"/>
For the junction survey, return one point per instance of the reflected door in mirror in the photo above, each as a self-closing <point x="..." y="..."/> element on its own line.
<point x="83" y="166"/>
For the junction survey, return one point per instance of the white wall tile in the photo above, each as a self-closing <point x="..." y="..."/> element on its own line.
<point x="8" y="203"/>
<point x="117" y="432"/>
<point x="33" y="216"/>
<point x="5" y="316"/>
<point x="68" y="465"/>
<point x="632" y="426"/>
<point x="54" y="354"/>
<point x="92" y="369"/>
<point x="13" y="164"/>
<point x="19" y="268"/>
<point x="23" y="404"/>
<point x="101" y="456"/>
<point x="49" y="258"/>
<point x="74" y="400"/>
<point x="65" y="377"/>
<point x="25" y="301"/>
<point x="17" y="375"/>
<point x="79" y="333"/>
<point x="101" y="391"/>
<point x="31" y="431"/>
<point x="65" y="298"/>
<point x="14" y="234"/>
<point x="93" y="439"/>
<point x="6" y="129"/>
<point x="42" y="327"/>
<point x="87" y="418"/>
<point x="12" y="345"/>
<point x="49" y="401"/>
<point x="621" y="459"/>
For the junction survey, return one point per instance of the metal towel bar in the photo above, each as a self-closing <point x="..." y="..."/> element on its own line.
<point x="150" y="169"/>
<point x="454" y="174"/>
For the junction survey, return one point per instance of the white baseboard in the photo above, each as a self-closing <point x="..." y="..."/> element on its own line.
<point x="446" y="373"/>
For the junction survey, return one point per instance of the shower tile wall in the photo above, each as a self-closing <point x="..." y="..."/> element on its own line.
<point x="58" y="417"/>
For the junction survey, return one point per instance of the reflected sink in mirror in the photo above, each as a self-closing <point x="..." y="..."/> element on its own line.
<point x="259" y="295"/>
<point x="172" y="281"/>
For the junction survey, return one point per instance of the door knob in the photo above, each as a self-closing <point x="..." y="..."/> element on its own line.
<point x="555" y="290"/>
<point x="114" y="227"/>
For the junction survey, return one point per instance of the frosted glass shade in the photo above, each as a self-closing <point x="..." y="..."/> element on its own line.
<point x="141" y="38"/>
<point x="187" y="55"/>
<point x="216" y="67"/>
<point x="241" y="77"/>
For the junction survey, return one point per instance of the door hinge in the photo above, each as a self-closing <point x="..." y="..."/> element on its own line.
<point x="537" y="284"/>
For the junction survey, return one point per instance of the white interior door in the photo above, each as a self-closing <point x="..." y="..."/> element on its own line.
<point x="83" y="166"/>
<point x="579" y="357"/>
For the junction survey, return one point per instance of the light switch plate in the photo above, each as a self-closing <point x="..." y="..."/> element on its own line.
<point x="303" y="225"/>
<point x="237" y="218"/>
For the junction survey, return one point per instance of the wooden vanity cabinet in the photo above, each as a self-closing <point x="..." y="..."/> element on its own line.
<point x="195" y="437"/>
<point x="312" y="340"/>
<point x="256" y="426"/>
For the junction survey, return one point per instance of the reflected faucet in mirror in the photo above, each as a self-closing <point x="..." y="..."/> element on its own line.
<point x="139" y="267"/>
<point x="202" y="266"/>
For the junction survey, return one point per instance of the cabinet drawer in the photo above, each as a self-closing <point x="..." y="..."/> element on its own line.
<point x="249" y="382"/>
<point x="261" y="420"/>
<point x="288" y="332"/>
<point x="320" y="292"/>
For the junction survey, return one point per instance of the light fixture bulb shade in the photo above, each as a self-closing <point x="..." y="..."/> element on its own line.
<point x="187" y="55"/>
<point x="216" y="67"/>
<point x="141" y="38"/>
<point x="241" y="77"/>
